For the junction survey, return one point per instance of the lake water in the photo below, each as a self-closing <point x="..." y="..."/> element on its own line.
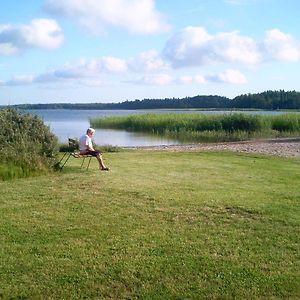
<point x="66" y="123"/>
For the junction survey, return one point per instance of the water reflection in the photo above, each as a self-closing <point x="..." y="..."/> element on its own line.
<point x="65" y="124"/>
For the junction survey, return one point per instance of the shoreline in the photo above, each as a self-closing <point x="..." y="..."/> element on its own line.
<point x="284" y="147"/>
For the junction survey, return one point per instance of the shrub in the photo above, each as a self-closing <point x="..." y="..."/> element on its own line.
<point x="26" y="142"/>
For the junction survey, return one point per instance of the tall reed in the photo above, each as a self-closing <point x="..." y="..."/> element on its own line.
<point x="202" y="127"/>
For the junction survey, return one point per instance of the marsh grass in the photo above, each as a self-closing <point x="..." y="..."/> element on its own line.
<point x="209" y="128"/>
<point x="159" y="225"/>
<point x="286" y="123"/>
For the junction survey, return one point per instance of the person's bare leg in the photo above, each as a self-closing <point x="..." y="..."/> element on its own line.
<point x="101" y="162"/>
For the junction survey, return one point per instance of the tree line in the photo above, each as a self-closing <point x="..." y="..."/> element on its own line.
<point x="268" y="100"/>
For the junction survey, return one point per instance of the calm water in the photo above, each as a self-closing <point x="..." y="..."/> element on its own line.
<point x="66" y="123"/>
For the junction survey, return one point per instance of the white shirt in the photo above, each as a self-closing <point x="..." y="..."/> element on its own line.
<point x="85" y="142"/>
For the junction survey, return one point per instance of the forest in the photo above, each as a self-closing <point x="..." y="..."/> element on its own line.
<point x="268" y="100"/>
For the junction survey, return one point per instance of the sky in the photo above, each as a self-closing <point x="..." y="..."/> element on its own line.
<point x="82" y="51"/>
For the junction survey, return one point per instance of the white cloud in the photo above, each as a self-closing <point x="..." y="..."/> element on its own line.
<point x="113" y="64"/>
<point x="81" y="69"/>
<point x="155" y="79"/>
<point x="90" y="70"/>
<point x="183" y="48"/>
<point x="228" y="76"/>
<point x="20" y="80"/>
<point x="84" y="68"/>
<point x="231" y="47"/>
<point x="135" y="16"/>
<point x="93" y="82"/>
<point x="39" y="33"/>
<point x="200" y="79"/>
<point x="149" y="61"/>
<point x="91" y="77"/>
<point x="186" y="79"/>
<point x="281" y="46"/>
<point x="43" y="33"/>
<point x="87" y="71"/>
<point x="193" y="46"/>
<point x="7" y="49"/>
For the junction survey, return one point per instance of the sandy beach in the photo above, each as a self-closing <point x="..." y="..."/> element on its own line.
<point x="285" y="147"/>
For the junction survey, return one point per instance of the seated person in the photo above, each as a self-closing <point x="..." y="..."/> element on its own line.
<point x="86" y="148"/>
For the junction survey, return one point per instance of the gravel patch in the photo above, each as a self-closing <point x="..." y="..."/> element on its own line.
<point x="286" y="147"/>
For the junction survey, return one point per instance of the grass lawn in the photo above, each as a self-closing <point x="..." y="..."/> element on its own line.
<point x="159" y="225"/>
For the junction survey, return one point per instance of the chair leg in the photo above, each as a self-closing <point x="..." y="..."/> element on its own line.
<point x="82" y="162"/>
<point x="65" y="153"/>
<point x="65" y="160"/>
<point x="89" y="163"/>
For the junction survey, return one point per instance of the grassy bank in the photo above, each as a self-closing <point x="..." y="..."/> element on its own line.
<point x="159" y="225"/>
<point x="209" y="128"/>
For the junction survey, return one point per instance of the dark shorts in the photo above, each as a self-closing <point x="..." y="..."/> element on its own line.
<point x="90" y="152"/>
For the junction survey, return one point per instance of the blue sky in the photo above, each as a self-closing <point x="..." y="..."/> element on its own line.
<point x="117" y="50"/>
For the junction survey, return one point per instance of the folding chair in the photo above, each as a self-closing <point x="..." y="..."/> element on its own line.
<point x="73" y="150"/>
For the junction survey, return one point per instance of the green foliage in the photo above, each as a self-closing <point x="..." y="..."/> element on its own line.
<point x="209" y="128"/>
<point x="241" y="122"/>
<point x="266" y="100"/>
<point x="27" y="144"/>
<point x="64" y="148"/>
<point x="289" y="123"/>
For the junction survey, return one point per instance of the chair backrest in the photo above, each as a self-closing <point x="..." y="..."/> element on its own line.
<point x="73" y="145"/>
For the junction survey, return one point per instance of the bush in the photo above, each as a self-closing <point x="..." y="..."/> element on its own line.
<point x="26" y="142"/>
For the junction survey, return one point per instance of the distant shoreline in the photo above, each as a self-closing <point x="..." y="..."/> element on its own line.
<point x="269" y="100"/>
<point x="158" y="109"/>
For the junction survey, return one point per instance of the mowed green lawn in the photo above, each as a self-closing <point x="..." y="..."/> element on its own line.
<point x="159" y="225"/>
